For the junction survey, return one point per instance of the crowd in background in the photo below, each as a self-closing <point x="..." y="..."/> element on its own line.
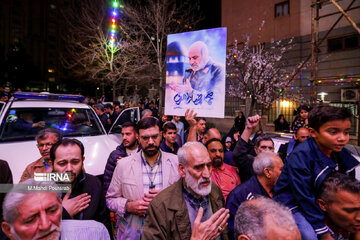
<point x="174" y="177"/>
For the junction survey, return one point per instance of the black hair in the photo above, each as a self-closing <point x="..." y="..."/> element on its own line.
<point x="168" y="125"/>
<point x="200" y="118"/>
<point x="213" y="140"/>
<point x="65" y="142"/>
<point x="99" y="106"/>
<point x="43" y="133"/>
<point x="335" y="182"/>
<point x="129" y="124"/>
<point x="261" y="138"/>
<point x="146" y="123"/>
<point x="323" y="114"/>
<point x="109" y="106"/>
<point x="302" y="107"/>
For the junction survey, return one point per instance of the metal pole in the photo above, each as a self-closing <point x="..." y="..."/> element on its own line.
<point x="346" y="16"/>
<point x="312" y="70"/>
<point x="316" y="58"/>
<point x="358" y="122"/>
<point x="320" y="42"/>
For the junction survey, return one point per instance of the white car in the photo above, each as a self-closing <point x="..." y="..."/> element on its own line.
<point x="61" y="111"/>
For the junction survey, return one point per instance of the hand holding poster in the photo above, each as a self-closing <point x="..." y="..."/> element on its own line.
<point x="195" y="73"/>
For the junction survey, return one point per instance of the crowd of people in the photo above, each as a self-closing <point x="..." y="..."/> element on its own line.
<point x="174" y="178"/>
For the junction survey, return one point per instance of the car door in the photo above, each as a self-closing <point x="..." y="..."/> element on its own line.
<point x="2" y="105"/>
<point x="131" y="114"/>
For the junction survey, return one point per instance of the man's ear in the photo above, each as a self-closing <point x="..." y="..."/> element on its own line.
<point x="295" y="137"/>
<point x="267" y="173"/>
<point x="181" y="170"/>
<point x="243" y="237"/>
<point x="6" y="229"/>
<point x="322" y="204"/>
<point x="255" y="149"/>
<point x="313" y="132"/>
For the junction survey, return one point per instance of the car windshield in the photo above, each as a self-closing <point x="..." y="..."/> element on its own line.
<point x="23" y="123"/>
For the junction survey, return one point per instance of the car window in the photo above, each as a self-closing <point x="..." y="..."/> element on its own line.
<point x="24" y="123"/>
<point x="127" y="115"/>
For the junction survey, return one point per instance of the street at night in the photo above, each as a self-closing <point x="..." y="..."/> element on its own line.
<point x="172" y="119"/>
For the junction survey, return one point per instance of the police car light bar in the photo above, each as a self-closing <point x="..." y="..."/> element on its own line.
<point x="48" y="96"/>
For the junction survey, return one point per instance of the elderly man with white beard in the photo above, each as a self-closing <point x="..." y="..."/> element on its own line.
<point x="30" y="214"/>
<point x="203" y="74"/>
<point x="191" y="208"/>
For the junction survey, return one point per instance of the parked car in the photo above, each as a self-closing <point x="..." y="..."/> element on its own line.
<point x="61" y="111"/>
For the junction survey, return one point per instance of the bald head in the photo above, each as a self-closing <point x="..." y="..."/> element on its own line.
<point x="210" y="134"/>
<point x="198" y="55"/>
<point x="302" y="134"/>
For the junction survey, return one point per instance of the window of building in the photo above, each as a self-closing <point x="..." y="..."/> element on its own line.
<point x="343" y="43"/>
<point x="282" y="9"/>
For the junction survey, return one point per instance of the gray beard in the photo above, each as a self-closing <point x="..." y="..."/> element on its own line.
<point x="194" y="185"/>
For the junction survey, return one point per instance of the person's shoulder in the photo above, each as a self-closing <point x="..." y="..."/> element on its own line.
<point x="118" y="152"/>
<point x="303" y="149"/>
<point x="230" y="168"/>
<point x="4" y="164"/>
<point x="215" y="190"/>
<point x="169" y="156"/>
<point x="37" y="162"/>
<point x="125" y="162"/>
<point x="95" y="181"/>
<point x="165" y="196"/>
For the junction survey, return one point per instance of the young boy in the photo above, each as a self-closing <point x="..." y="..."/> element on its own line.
<point x="310" y="163"/>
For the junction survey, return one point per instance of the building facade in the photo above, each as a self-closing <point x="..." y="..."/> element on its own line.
<point x="336" y="74"/>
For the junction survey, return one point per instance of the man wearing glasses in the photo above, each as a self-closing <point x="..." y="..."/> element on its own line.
<point x="45" y="139"/>
<point x="138" y="178"/>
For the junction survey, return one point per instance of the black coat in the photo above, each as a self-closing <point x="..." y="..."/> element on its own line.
<point x="243" y="158"/>
<point x="97" y="210"/>
<point x="243" y="192"/>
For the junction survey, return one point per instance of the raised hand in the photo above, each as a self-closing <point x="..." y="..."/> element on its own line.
<point x="211" y="228"/>
<point x="252" y="121"/>
<point x="190" y="116"/>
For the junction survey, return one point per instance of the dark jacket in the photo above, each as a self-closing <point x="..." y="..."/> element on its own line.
<point x="239" y="123"/>
<point x="243" y="158"/>
<point x="97" y="210"/>
<point x="301" y="178"/>
<point x="120" y="151"/>
<point x="166" y="148"/>
<point x="283" y="150"/>
<point x="168" y="216"/>
<point x="103" y="118"/>
<point x="281" y="126"/>
<point x="243" y="192"/>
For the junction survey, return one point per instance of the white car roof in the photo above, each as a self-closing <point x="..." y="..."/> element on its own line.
<point x="46" y="104"/>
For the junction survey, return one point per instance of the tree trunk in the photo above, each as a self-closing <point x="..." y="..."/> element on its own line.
<point x="161" y="96"/>
<point x="125" y="90"/>
<point x="252" y="107"/>
<point x="114" y="91"/>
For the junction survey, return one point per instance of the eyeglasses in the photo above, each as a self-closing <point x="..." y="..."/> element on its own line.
<point x="146" y="138"/>
<point x="41" y="145"/>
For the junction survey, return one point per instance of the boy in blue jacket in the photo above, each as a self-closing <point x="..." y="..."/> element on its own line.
<point x="310" y="163"/>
